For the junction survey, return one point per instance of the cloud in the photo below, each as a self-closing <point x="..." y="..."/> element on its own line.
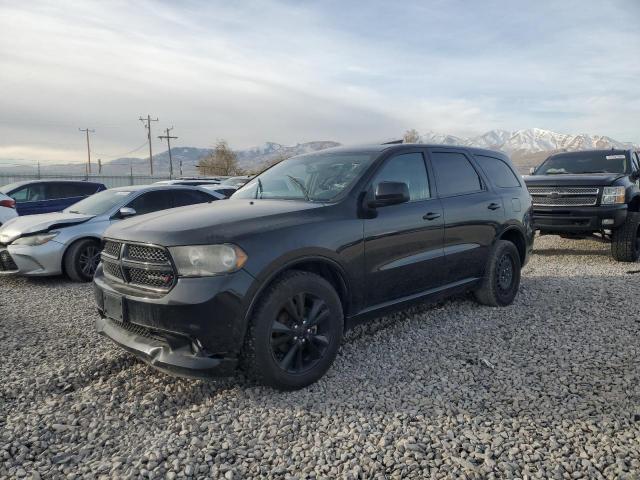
<point x="296" y="71"/>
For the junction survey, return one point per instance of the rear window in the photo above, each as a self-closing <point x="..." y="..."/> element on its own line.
<point x="498" y="171"/>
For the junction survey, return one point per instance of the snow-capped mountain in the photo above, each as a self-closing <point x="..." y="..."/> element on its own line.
<point x="531" y="140"/>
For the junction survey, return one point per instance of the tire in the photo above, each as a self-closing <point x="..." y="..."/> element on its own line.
<point x="625" y="240"/>
<point x="81" y="260"/>
<point x="501" y="280"/>
<point x="279" y="350"/>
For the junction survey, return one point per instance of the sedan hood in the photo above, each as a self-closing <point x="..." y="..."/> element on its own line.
<point x="601" y="179"/>
<point x="208" y="223"/>
<point x="30" y="224"/>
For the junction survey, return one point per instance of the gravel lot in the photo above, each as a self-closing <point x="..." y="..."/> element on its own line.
<point x="547" y="388"/>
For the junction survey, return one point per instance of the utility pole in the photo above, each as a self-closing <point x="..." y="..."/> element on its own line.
<point x="87" y="131"/>
<point x="169" y="137"/>
<point x="147" y="124"/>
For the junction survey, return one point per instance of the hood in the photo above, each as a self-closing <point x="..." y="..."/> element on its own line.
<point x="600" y="179"/>
<point x="29" y="224"/>
<point x="216" y="222"/>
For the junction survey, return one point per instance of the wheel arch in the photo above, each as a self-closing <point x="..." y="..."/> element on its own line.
<point x="70" y="244"/>
<point x="325" y="267"/>
<point x="634" y="203"/>
<point x="515" y="236"/>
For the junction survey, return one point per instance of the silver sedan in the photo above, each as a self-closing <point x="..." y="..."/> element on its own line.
<point x="70" y="241"/>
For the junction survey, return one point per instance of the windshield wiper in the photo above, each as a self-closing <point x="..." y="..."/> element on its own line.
<point x="597" y="171"/>
<point x="74" y="211"/>
<point x="301" y="186"/>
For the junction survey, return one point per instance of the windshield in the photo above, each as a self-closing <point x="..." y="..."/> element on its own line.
<point x="100" y="202"/>
<point x="317" y="177"/>
<point x="584" y="162"/>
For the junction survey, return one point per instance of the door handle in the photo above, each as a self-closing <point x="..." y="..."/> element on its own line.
<point x="431" y="216"/>
<point x="493" y="206"/>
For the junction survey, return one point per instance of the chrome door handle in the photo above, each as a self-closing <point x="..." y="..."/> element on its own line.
<point x="431" y="216"/>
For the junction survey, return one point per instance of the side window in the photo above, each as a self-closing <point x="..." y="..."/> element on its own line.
<point x="455" y="174"/>
<point x="498" y="171"/>
<point x="66" y="190"/>
<point x="182" y="198"/>
<point x="410" y="169"/>
<point x="636" y="161"/>
<point x="151" y="202"/>
<point x="30" y="193"/>
<point x="85" y="189"/>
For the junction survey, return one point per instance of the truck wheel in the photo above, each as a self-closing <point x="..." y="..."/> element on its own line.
<point x="294" y="332"/>
<point x="81" y="260"/>
<point x="625" y="240"/>
<point x="501" y="279"/>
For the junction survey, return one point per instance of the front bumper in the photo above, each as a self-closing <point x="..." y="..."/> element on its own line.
<point x="37" y="260"/>
<point x="583" y="219"/>
<point x="196" y="329"/>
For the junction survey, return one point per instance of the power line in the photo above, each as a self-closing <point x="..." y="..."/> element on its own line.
<point x="169" y="137"/>
<point x="147" y="125"/>
<point x="87" y="130"/>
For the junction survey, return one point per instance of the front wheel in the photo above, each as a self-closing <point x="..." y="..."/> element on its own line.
<point x="501" y="279"/>
<point x="625" y="240"/>
<point x="295" y="332"/>
<point x="82" y="259"/>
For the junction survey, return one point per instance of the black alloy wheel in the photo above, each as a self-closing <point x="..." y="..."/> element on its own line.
<point x="504" y="270"/>
<point x="299" y="333"/>
<point x="89" y="259"/>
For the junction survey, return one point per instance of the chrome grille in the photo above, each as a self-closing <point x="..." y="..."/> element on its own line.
<point x="112" y="249"/>
<point x="6" y="262"/>
<point x="564" y="196"/>
<point x="146" y="267"/>
<point x="144" y="253"/>
<point x="112" y="269"/>
<point x="149" y="278"/>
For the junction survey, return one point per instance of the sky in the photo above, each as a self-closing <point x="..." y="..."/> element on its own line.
<point x="297" y="71"/>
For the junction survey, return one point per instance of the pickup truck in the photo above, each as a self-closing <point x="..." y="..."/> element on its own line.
<point x="578" y="194"/>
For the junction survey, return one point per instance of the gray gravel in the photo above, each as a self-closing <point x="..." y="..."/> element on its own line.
<point x="546" y="388"/>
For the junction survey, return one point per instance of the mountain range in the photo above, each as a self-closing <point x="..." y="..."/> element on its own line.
<point x="526" y="147"/>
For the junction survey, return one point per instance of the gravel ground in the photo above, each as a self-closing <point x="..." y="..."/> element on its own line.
<point x="546" y="388"/>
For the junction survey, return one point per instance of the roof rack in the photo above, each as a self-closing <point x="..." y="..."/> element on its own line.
<point x="392" y="142"/>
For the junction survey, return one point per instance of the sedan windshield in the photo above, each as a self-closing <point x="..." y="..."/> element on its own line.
<point x="100" y="203"/>
<point x="316" y="177"/>
<point x="584" y="162"/>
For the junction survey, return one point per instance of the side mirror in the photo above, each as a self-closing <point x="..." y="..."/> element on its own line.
<point x="126" y="212"/>
<point x="532" y="170"/>
<point x="635" y="176"/>
<point x="390" y="193"/>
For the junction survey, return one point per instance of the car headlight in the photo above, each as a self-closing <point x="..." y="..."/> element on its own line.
<point x="207" y="260"/>
<point x="32" y="240"/>
<point x="613" y="195"/>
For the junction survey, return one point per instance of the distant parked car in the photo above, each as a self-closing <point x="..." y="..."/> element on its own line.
<point x="237" y="181"/>
<point x="224" y="190"/>
<point x="45" y="196"/>
<point x="193" y="183"/>
<point x="7" y="208"/>
<point x="70" y="241"/>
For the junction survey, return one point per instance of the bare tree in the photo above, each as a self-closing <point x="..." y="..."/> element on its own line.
<point x="222" y="161"/>
<point x="411" y="136"/>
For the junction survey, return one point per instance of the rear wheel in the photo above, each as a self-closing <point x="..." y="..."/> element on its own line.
<point x="81" y="260"/>
<point x="295" y="332"/>
<point x="501" y="280"/>
<point x="625" y="240"/>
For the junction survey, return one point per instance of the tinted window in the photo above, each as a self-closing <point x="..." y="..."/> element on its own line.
<point x="455" y="174"/>
<point x="498" y="171"/>
<point x="69" y="190"/>
<point x="182" y="198"/>
<point x="584" y="162"/>
<point x="637" y="161"/>
<point x="31" y="193"/>
<point x="151" y="202"/>
<point x="408" y="168"/>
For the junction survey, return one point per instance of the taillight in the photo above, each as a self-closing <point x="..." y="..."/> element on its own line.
<point x="9" y="203"/>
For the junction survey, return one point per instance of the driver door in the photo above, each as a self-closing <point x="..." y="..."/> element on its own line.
<point x="404" y="252"/>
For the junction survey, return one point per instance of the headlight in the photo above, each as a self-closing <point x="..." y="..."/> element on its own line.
<point x="207" y="260"/>
<point x="32" y="240"/>
<point x="612" y="195"/>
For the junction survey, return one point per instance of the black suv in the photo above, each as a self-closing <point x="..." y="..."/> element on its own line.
<point x="270" y="279"/>
<point x="580" y="193"/>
